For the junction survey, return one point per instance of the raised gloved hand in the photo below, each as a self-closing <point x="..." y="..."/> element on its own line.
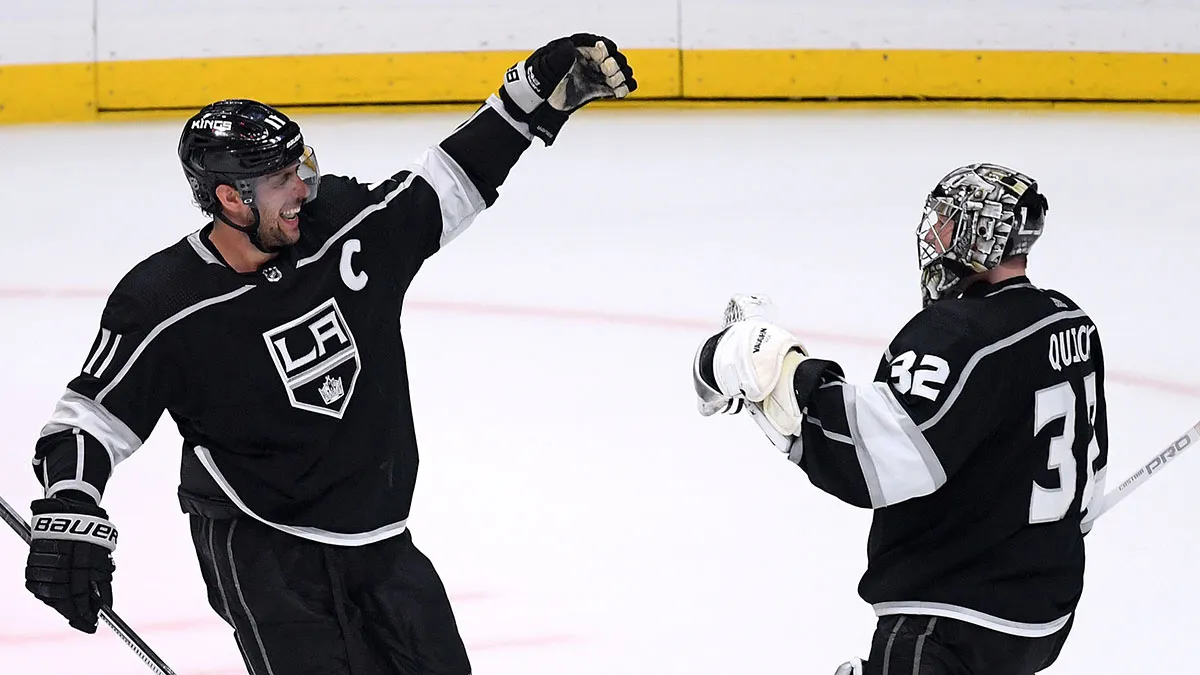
<point x="70" y="564"/>
<point x="756" y="361"/>
<point x="740" y="307"/>
<point x="562" y="77"/>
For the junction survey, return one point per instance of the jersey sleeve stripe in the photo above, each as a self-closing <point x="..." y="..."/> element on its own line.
<point x="865" y="464"/>
<point x="108" y="361"/>
<point x="896" y="460"/>
<point x="496" y="104"/>
<point x="458" y="197"/>
<point x="105" y="334"/>
<point x="78" y="412"/>
<point x="991" y="349"/>
<point x="178" y="316"/>
<point x="80" y="457"/>
<point x="78" y="485"/>
<point x="831" y="435"/>
<point x="39" y="463"/>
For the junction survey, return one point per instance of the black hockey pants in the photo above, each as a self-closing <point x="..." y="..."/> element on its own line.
<point x="930" y="645"/>
<point x="299" y="607"/>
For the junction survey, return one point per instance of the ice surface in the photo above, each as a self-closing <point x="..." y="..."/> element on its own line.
<point x="584" y="518"/>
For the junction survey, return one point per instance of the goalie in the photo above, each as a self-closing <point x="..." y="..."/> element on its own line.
<point x="979" y="445"/>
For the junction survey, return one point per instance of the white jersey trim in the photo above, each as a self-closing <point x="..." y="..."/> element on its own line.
<point x="458" y="197"/>
<point x="831" y="435"/>
<point x="495" y="103"/>
<point x="202" y="250"/>
<point x="310" y="533"/>
<point x="991" y="349"/>
<point x="79" y="485"/>
<point x="897" y="462"/>
<point x="353" y="222"/>
<point x="1009" y="288"/>
<point x="76" y="411"/>
<point x="1029" y="630"/>
<point x="175" y="318"/>
<point x="105" y="335"/>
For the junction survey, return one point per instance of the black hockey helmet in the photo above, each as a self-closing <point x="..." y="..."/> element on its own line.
<point x="233" y="141"/>
<point x="976" y="217"/>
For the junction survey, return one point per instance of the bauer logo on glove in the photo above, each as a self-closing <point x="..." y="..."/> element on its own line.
<point x="75" y="528"/>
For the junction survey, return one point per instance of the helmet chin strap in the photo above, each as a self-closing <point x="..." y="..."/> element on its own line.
<point x="251" y="231"/>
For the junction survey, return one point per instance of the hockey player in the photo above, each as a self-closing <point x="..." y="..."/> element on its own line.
<point x="981" y="444"/>
<point x="272" y="338"/>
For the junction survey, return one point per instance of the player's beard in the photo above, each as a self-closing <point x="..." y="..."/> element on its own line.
<point x="275" y="236"/>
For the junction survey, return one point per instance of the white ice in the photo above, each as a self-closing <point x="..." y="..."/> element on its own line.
<point x="585" y="519"/>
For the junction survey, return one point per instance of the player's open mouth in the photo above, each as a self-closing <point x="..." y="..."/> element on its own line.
<point x="291" y="215"/>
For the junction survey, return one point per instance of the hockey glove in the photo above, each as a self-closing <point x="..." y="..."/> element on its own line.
<point x="70" y="564"/>
<point x="562" y="77"/>
<point x="755" y="361"/>
<point x="739" y="308"/>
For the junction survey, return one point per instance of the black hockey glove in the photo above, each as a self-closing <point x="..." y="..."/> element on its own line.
<point x="70" y="565"/>
<point x="562" y="77"/>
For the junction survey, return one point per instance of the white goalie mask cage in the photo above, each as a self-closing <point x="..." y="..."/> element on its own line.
<point x="977" y="216"/>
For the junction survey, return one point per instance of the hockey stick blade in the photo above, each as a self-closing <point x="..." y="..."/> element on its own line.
<point x="123" y="631"/>
<point x="1150" y="469"/>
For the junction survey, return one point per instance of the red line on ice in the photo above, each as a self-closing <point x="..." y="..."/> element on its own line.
<point x="616" y="318"/>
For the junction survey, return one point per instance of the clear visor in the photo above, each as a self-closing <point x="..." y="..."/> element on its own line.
<point x="309" y="172"/>
<point x="306" y="169"/>
<point x="935" y="234"/>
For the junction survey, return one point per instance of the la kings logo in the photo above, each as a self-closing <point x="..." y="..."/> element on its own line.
<point x="317" y="359"/>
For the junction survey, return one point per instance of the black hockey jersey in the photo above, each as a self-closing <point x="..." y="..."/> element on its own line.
<point x="980" y="445"/>
<point x="288" y="384"/>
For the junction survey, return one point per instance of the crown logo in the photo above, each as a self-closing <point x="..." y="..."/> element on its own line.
<point x="332" y="389"/>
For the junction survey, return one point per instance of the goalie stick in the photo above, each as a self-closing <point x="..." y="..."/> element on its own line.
<point x="742" y="307"/>
<point x="1149" y="469"/>
<point x="123" y="631"/>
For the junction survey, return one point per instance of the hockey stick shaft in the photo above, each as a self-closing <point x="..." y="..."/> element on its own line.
<point x="1150" y="468"/>
<point x="123" y="631"/>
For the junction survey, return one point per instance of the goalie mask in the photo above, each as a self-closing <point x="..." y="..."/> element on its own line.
<point x="977" y="217"/>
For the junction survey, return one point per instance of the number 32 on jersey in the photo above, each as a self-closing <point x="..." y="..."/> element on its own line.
<point x="1048" y="505"/>
<point x="924" y="381"/>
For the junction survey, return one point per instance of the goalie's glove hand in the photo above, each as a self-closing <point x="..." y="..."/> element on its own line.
<point x="709" y="399"/>
<point x="739" y="308"/>
<point x="70" y="564"/>
<point x="754" y="361"/>
<point x="562" y="77"/>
